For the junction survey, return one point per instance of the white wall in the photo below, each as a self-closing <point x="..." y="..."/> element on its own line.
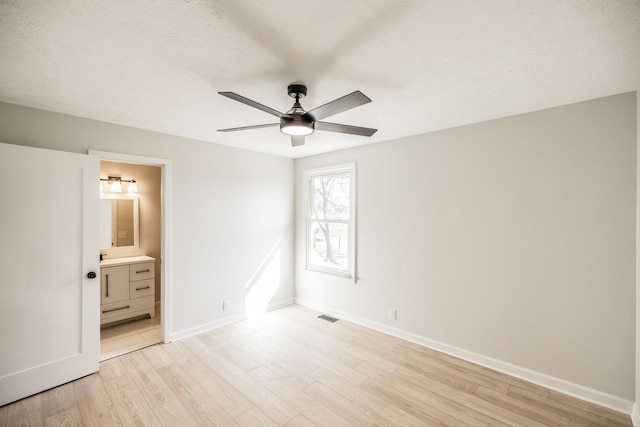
<point x="230" y="208"/>
<point x="513" y="239"/>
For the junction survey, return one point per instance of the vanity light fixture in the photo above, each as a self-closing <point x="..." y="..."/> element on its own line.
<point x="133" y="186"/>
<point x="116" y="184"/>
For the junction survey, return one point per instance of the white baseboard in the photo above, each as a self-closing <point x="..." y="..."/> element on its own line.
<point x="635" y="415"/>
<point x="185" y="333"/>
<point x="279" y="304"/>
<point x="544" y="380"/>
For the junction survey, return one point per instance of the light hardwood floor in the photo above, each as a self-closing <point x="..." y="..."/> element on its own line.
<point x="124" y="337"/>
<point x="289" y="368"/>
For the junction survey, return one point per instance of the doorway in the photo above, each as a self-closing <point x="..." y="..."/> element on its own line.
<point x="152" y="179"/>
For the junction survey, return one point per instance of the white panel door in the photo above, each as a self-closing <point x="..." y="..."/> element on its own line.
<point x="49" y="308"/>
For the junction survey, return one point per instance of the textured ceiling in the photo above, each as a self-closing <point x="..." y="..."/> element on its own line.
<point x="427" y="65"/>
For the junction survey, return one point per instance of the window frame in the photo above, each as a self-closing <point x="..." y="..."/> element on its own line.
<point x="309" y="175"/>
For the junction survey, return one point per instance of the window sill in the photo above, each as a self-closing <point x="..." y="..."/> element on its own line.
<point x="339" y="274"/>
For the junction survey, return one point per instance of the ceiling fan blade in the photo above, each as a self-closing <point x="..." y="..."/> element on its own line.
<point x="297" y="140"/>
<point x="354" y="130"/>
<point x="347" y="102"/>
<point x="249" y="127"/>
<point x="251" y="103"/>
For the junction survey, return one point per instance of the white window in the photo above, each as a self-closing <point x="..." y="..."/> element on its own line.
<point x="331" y="219"/>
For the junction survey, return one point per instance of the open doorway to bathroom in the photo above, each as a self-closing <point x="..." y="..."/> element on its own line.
<point x="131" y="239"/>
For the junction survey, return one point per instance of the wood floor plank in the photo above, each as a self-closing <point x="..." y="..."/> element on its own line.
<point x="205" y="410"/>
<point x="356" y="415"/>
<point x="389" y="413"/>
<point x="96" y="406"/>
<point x="262" y="398"/>
<point x="294" y="369"/>
<point x="151" y="385"/>
<point x="472" y="402"/>
<point x="441" y="375"/>
<point x="27" y="412"/>
<point x="198" y="348"/>
<point x="448" y="365"/>
<point x="177" y="379"/>
<point x="174" y="413"/>
<point x="562" y="409"/>
<point x="371" y="370"/>
<point x="525" y="409"/>
<point x="230" y="352"/>
<point x="58" y="400"/>
<point x="227" y="396"/>
<point x="446" y="409"/>
<point x="112" y="368"/>
<point x="484" y="376"/>
<point x="407" y="404"/>
<point x="69" y="418"/>
<point x="284" y="358"/>
<point x="179" y="352"/>
<point x="3" y="415"/>
<point x="222" y="366"/>
<point x="328" y="346"/>
<point x="128" y="400"/>
<point x="300" y="421"/>
<point x="336" y="367"/>
<point x="314" y="411"/>
<point x="591" y="408"/>
<point x="254" y="418"/>
<point x="157" y="356"/>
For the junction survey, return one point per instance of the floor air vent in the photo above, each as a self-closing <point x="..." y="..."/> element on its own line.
<point x="327" y="318"/>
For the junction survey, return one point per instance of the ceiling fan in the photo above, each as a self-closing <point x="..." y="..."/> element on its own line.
<point x="297" y="122"/>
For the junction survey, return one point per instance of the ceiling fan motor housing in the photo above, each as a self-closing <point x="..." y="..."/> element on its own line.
<point x="297" y="90"/>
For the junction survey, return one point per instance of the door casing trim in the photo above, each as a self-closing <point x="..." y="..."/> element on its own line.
<point x="165" y="238"/>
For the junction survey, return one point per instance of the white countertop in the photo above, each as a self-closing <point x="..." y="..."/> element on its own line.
<point x="125" y="260"/>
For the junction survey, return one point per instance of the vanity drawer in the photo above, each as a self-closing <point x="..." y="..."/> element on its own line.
<point x="142" y="271"/>
<point x="142" y="288"/>
<point x="125" y="308"/>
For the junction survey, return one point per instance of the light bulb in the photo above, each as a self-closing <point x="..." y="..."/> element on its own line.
<point x="297" y="129"/>
<point x="116" y="187"/>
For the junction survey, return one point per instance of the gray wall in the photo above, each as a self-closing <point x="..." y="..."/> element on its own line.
<point x="513" y="239"/>
<point x="230" y="208"/>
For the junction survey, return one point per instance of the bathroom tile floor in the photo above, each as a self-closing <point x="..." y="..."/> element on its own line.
<point x="121" y="338"/>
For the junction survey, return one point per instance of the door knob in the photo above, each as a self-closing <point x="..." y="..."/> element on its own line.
<point x="91" y="275"/>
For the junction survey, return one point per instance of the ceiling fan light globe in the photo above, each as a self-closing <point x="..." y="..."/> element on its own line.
<point x="296" y="127"/>
<point x="296" y="130"/>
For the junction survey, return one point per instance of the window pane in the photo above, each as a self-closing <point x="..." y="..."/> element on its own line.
<point x="330" y="198"/>
<point x="329" y="245"/>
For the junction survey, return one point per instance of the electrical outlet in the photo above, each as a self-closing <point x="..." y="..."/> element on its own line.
<point x="392" y="314"/>
<point x="226" y="305"/>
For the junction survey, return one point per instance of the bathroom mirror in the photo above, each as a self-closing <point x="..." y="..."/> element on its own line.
<point x="118" y="221"/>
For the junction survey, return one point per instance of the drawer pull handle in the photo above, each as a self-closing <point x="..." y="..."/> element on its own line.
<point x="140" y="289"/>
<point x="142" y="271"/>
<point x="116" y="309"/>
<point x="107" y="293"/>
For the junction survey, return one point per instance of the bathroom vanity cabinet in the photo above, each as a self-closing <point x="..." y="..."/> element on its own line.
<point x="127" y="288"/>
